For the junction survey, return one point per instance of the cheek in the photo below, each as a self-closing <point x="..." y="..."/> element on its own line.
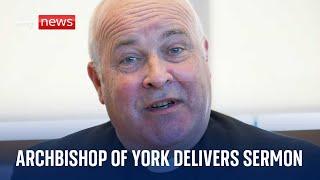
<point x="184" y="72"/>
<point x="194" y="79"/>
<point x="189" y="74"/>
<point x="124" y="92"/>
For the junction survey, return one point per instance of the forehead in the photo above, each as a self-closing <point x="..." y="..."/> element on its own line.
<point x="124" y="18"/>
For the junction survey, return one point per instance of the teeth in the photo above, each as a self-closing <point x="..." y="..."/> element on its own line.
<point x="163" y="104"/>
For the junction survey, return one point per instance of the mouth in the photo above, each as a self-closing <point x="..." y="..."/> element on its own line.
<point x="162" y="104"/>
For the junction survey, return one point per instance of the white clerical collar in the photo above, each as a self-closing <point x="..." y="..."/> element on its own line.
<point x="163" y="169"/>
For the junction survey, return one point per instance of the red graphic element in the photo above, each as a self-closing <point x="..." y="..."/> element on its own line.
<point x="57" y="22"/>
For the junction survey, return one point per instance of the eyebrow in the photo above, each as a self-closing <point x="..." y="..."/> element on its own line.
<point x="126" y="42"/>
<point x="173" y="32"/>
<point x="165" y="35"/>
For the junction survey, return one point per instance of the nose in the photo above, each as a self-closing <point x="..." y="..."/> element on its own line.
<point x="157" y="73"/>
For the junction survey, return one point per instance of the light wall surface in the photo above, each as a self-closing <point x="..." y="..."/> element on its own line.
<point x="266" y="55"/>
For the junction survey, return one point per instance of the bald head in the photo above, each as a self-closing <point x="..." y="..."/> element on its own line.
<point x="112" y="18"/>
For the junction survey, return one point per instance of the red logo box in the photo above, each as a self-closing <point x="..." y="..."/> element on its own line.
<point x="57" y="22"/>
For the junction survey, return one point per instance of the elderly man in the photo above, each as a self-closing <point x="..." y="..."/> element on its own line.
<point x="150" y="69"/>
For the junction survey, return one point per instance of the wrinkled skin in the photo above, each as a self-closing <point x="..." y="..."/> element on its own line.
<point x="153" y="52"/>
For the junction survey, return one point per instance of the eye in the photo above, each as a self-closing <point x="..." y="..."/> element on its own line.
<point x="175" y="50"/>
<point x="130" y="60"/>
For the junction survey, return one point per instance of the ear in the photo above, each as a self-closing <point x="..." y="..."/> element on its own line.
<point x="206" y="48"/>
<point x="94" y="76"/>
<point x="206" y="53"/>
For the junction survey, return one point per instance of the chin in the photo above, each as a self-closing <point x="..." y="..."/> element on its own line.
<point x="172" y="138"/>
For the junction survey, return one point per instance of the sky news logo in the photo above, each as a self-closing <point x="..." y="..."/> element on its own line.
<point x="57" y="22"/>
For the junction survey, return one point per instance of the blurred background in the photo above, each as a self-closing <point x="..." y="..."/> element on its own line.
<point x="264" y="58"/>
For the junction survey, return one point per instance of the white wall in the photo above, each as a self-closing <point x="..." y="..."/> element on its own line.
<point x="43" y="73"/>
<point x="266" y="55"/>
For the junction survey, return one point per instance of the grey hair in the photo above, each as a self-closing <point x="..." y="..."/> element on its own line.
<point x="97" y="21"/>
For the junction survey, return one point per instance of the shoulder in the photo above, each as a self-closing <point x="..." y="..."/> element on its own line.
<point x="234" y="134"/>
<point x="241" y="135"/>
<point x="97" y="137"/>
<point x="101" y="137"/>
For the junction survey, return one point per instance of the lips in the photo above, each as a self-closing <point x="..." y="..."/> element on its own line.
<point x="162" y="104"/>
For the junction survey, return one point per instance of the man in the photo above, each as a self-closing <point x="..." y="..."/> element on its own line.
<point x="150" y="69"/>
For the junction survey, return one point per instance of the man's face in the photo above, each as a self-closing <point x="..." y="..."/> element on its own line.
<point x="155" y="77"/>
